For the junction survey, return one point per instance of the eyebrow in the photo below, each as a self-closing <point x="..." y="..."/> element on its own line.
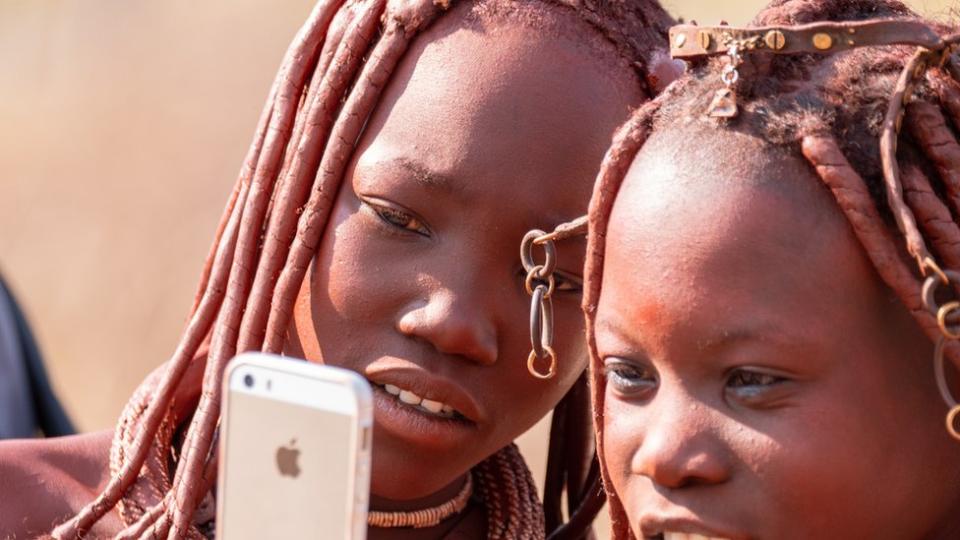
<point x="763" y="333"/>
<point x="766" y="333"/>
<point x="421" y="174"/>
<point x="614" y="327"/>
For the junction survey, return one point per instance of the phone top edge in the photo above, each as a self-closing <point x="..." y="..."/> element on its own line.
<point x="284" y="367"/>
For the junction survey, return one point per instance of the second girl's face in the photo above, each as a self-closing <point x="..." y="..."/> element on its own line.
<point x="761" y="381"/>
<point x="486" y="130"/>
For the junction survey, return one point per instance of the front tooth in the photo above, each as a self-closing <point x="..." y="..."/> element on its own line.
<point x="447" y="409"/>
<point x="433" y="406"/>
<point x="410" y="398"/>
<point x="391" y="389"/>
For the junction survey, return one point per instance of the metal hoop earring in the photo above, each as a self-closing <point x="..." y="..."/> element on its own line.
<point x="952" y="422"/>
<point x="532" y="364"/>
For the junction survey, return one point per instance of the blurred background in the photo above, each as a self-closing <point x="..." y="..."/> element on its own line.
<point x="123" y="124"/>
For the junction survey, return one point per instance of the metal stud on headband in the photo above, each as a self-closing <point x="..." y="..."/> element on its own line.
<point x="691" y="41"/>
<point x="540" y="285"/>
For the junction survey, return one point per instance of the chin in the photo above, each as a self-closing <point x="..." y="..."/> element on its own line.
<point x="400" y="478"/>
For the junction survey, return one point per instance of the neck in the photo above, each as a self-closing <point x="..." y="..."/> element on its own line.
<point x="448" y="492"/>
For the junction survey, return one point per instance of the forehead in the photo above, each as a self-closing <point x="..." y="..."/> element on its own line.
<point x="483" y="101"/>
<point x="711" y="223"/>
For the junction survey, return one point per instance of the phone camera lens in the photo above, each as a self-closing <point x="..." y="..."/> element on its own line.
<point x="248" y="380"/>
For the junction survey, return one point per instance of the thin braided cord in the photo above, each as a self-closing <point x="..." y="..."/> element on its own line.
<point x="556" y="459"/>
<point x="153" y="525"/>
<point x="579" y="458"/>
<point x="928" y="127"/>
<point x="626" y="144"/>
<point x="506" y="486"/>
<point x="568" y="465"/>
<point x="948" y="90"/>
<point x="905" y="219"/>
<point x="582" y="517"/>
<point x="935" y="220"/>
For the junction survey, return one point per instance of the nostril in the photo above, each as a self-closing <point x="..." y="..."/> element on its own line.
<point x="451" y="329"/>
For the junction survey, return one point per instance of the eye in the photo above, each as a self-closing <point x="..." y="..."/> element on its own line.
<point x="628" y="379"/>
<point x="395" y="217"/>
<point x="567" y="282"/>
<point x="563" y="281"/>
<point x="753" y="384"/>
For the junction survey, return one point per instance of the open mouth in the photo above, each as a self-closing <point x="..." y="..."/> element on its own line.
<point x="409" y="399"/>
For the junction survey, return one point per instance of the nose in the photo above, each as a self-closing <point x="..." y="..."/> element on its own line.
<point x="680" y="448"/>
<point x="457" y="324"/>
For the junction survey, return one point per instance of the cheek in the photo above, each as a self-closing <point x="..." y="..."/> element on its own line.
<point x="356" y="276"/>
<point x="621" y="438"/>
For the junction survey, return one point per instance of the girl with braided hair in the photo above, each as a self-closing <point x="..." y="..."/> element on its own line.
<point x="405" y="148"/>
<point x="771" y="266"/>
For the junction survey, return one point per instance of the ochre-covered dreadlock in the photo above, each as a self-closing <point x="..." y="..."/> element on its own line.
<point x="843" y="112"/>
<point x="328" y="84"/>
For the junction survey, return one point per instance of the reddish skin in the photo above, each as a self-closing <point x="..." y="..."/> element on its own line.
<point x="752" y="271"/>
<point x="518" y="134"/>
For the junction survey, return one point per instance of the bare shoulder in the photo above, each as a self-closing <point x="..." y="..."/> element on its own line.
<point x="44" y="481"/>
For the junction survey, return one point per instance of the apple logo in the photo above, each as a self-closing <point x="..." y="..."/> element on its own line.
<point x="287" y="457"/>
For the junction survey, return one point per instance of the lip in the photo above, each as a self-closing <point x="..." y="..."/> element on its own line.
<point x="413" y="377"/>
<point x="423" y="430"/>
<point x="653" y="525"/>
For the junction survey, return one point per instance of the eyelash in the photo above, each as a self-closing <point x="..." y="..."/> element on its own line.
<point x="628" y="379"/>
<point x="398" y="219"/>
<point x="564" y="282"/>
<point x="751" y="385"/>
<point x="743" y="376"/>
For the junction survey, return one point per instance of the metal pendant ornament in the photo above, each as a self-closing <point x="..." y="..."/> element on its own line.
<point x="540" y="285"/>
<point x="724" y="103"/>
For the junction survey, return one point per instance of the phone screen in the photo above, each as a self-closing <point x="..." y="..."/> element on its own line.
<point x="289" y="466"/>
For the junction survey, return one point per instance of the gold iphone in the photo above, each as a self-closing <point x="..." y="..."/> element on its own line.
<point x="294" y="451"/>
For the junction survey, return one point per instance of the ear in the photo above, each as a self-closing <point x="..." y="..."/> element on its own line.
<point x="662" y="70"/>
